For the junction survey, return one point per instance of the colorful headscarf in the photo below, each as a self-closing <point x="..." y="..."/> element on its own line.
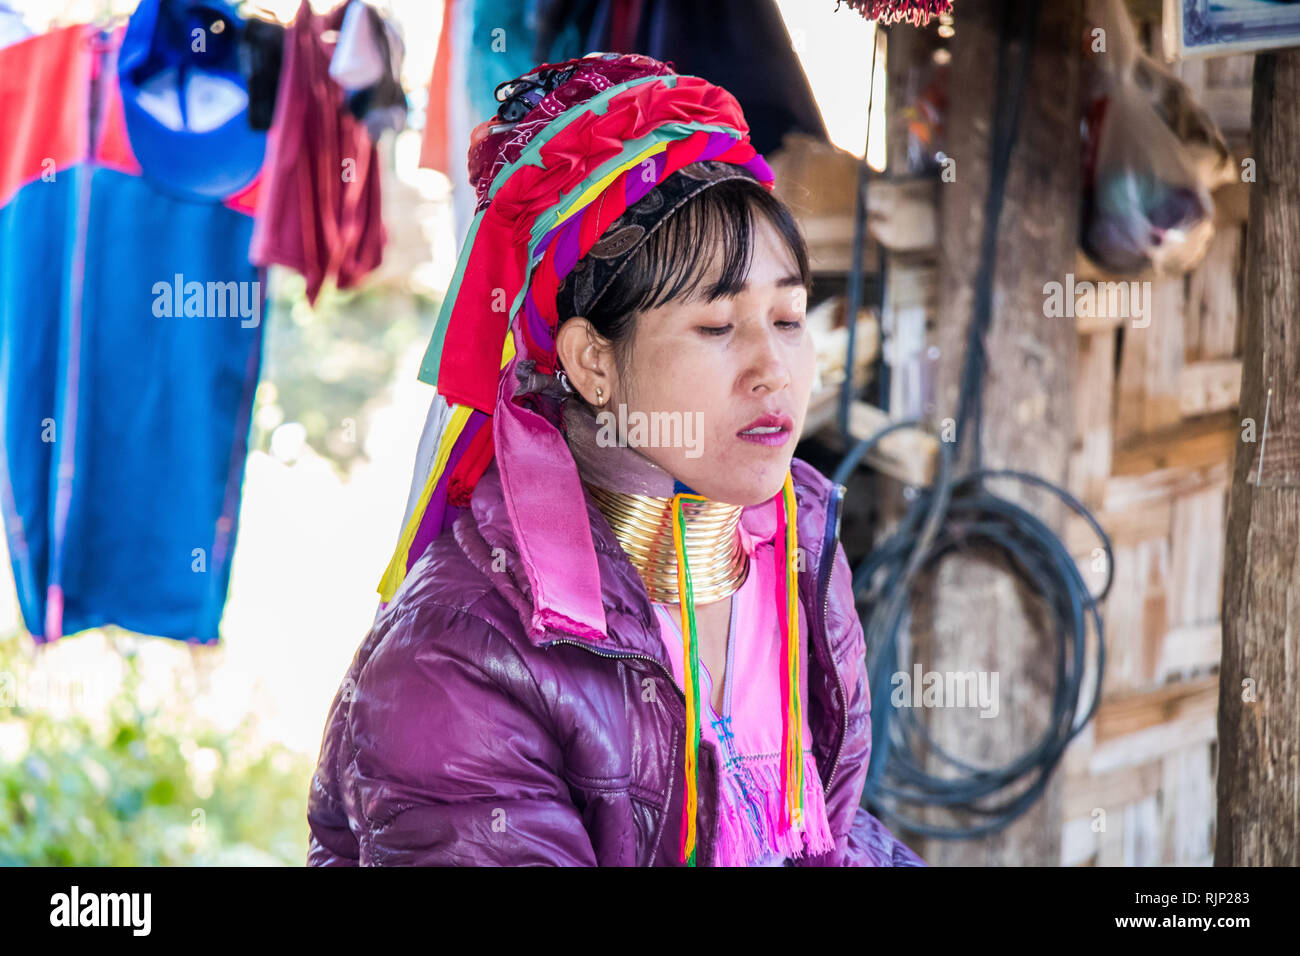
<point x="574" y="145"/>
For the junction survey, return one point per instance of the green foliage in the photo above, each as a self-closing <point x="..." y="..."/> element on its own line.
<point x="150" y="787"/>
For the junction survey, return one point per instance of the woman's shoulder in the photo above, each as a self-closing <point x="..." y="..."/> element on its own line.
<point x="447" y="645"/>
<point x="446" y="707"/>
<point x="452" y="604"/>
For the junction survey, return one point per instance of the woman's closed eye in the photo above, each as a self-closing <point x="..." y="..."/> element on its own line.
<point x="717" y="330"/>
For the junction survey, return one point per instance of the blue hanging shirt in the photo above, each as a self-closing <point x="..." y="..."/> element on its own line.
<point x="131" y="326"/>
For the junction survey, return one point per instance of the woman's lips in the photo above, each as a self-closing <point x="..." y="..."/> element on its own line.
<point x="773" y="430"/>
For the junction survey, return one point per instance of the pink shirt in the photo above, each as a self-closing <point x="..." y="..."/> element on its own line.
<point x="747" y="733"/>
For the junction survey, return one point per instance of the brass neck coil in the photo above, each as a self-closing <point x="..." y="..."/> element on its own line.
<point x="644" y="527"/>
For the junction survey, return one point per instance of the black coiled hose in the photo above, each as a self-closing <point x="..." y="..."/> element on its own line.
<point x="961" y="513"/>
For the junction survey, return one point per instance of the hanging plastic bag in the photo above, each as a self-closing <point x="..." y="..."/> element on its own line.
<point x="1151" y="156"/>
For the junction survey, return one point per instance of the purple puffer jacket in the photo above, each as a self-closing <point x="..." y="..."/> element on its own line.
<point x="457" y="738"/>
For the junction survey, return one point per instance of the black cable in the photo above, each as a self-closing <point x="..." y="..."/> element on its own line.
<point x="859" y="240"/>
<point x="959" y="515"/>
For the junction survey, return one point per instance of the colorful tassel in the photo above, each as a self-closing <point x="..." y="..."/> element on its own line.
<point x="792" y="806"/>
<point x="792" y="786"/>
<point x="691" y="668"/>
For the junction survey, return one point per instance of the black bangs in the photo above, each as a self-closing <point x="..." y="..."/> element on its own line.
<point x="675" y="262"/>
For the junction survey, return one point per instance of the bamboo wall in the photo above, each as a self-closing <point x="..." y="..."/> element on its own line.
<point x="1156" y="430"/>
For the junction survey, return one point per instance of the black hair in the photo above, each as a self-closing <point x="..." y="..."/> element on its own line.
<point x="668" y="266"/>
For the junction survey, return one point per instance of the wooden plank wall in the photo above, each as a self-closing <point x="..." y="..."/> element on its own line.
<point x="1156" y="429"/>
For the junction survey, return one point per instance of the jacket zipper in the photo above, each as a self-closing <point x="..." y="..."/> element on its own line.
<point x="828" y="554"/>
<point x="640" y="657"/>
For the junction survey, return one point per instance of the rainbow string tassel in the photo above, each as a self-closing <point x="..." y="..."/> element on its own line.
<point x="788" y="614"/>
<point x="691" y="668"/>
<point x="792" y="808"/>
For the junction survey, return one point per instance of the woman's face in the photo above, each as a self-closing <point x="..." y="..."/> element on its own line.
<point x="720" y="389"/>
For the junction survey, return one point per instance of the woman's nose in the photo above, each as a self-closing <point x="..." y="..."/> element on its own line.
<point x="768" y="368"/>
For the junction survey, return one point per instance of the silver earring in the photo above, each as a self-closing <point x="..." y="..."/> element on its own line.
<point x="564" y="382"/>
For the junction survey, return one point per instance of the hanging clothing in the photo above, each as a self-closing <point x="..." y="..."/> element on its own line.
<point x="320" y="210"/>
<point x="776" y="98"/>
<point x="261" y="53"/>
<point x="358" y="59"/>
<point x="752" y="57"/>
<point x="499" y="49"/>
<point x="434" y="151"/>
<point x="185" y="102"/>
<point x="461" y="117"/>
<point x="747" y="731"/>
<point x="564" y="28"/>
<point x="367" y="63"/>
<point x="480" y="46"/>
<point x="130" y="348"/>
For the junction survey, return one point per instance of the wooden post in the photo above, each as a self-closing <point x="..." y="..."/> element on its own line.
<point x="1259" y="690"/>
<point x="974" y="617"/>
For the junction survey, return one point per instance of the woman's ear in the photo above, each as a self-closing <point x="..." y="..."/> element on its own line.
<point x="587" y="359"/>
